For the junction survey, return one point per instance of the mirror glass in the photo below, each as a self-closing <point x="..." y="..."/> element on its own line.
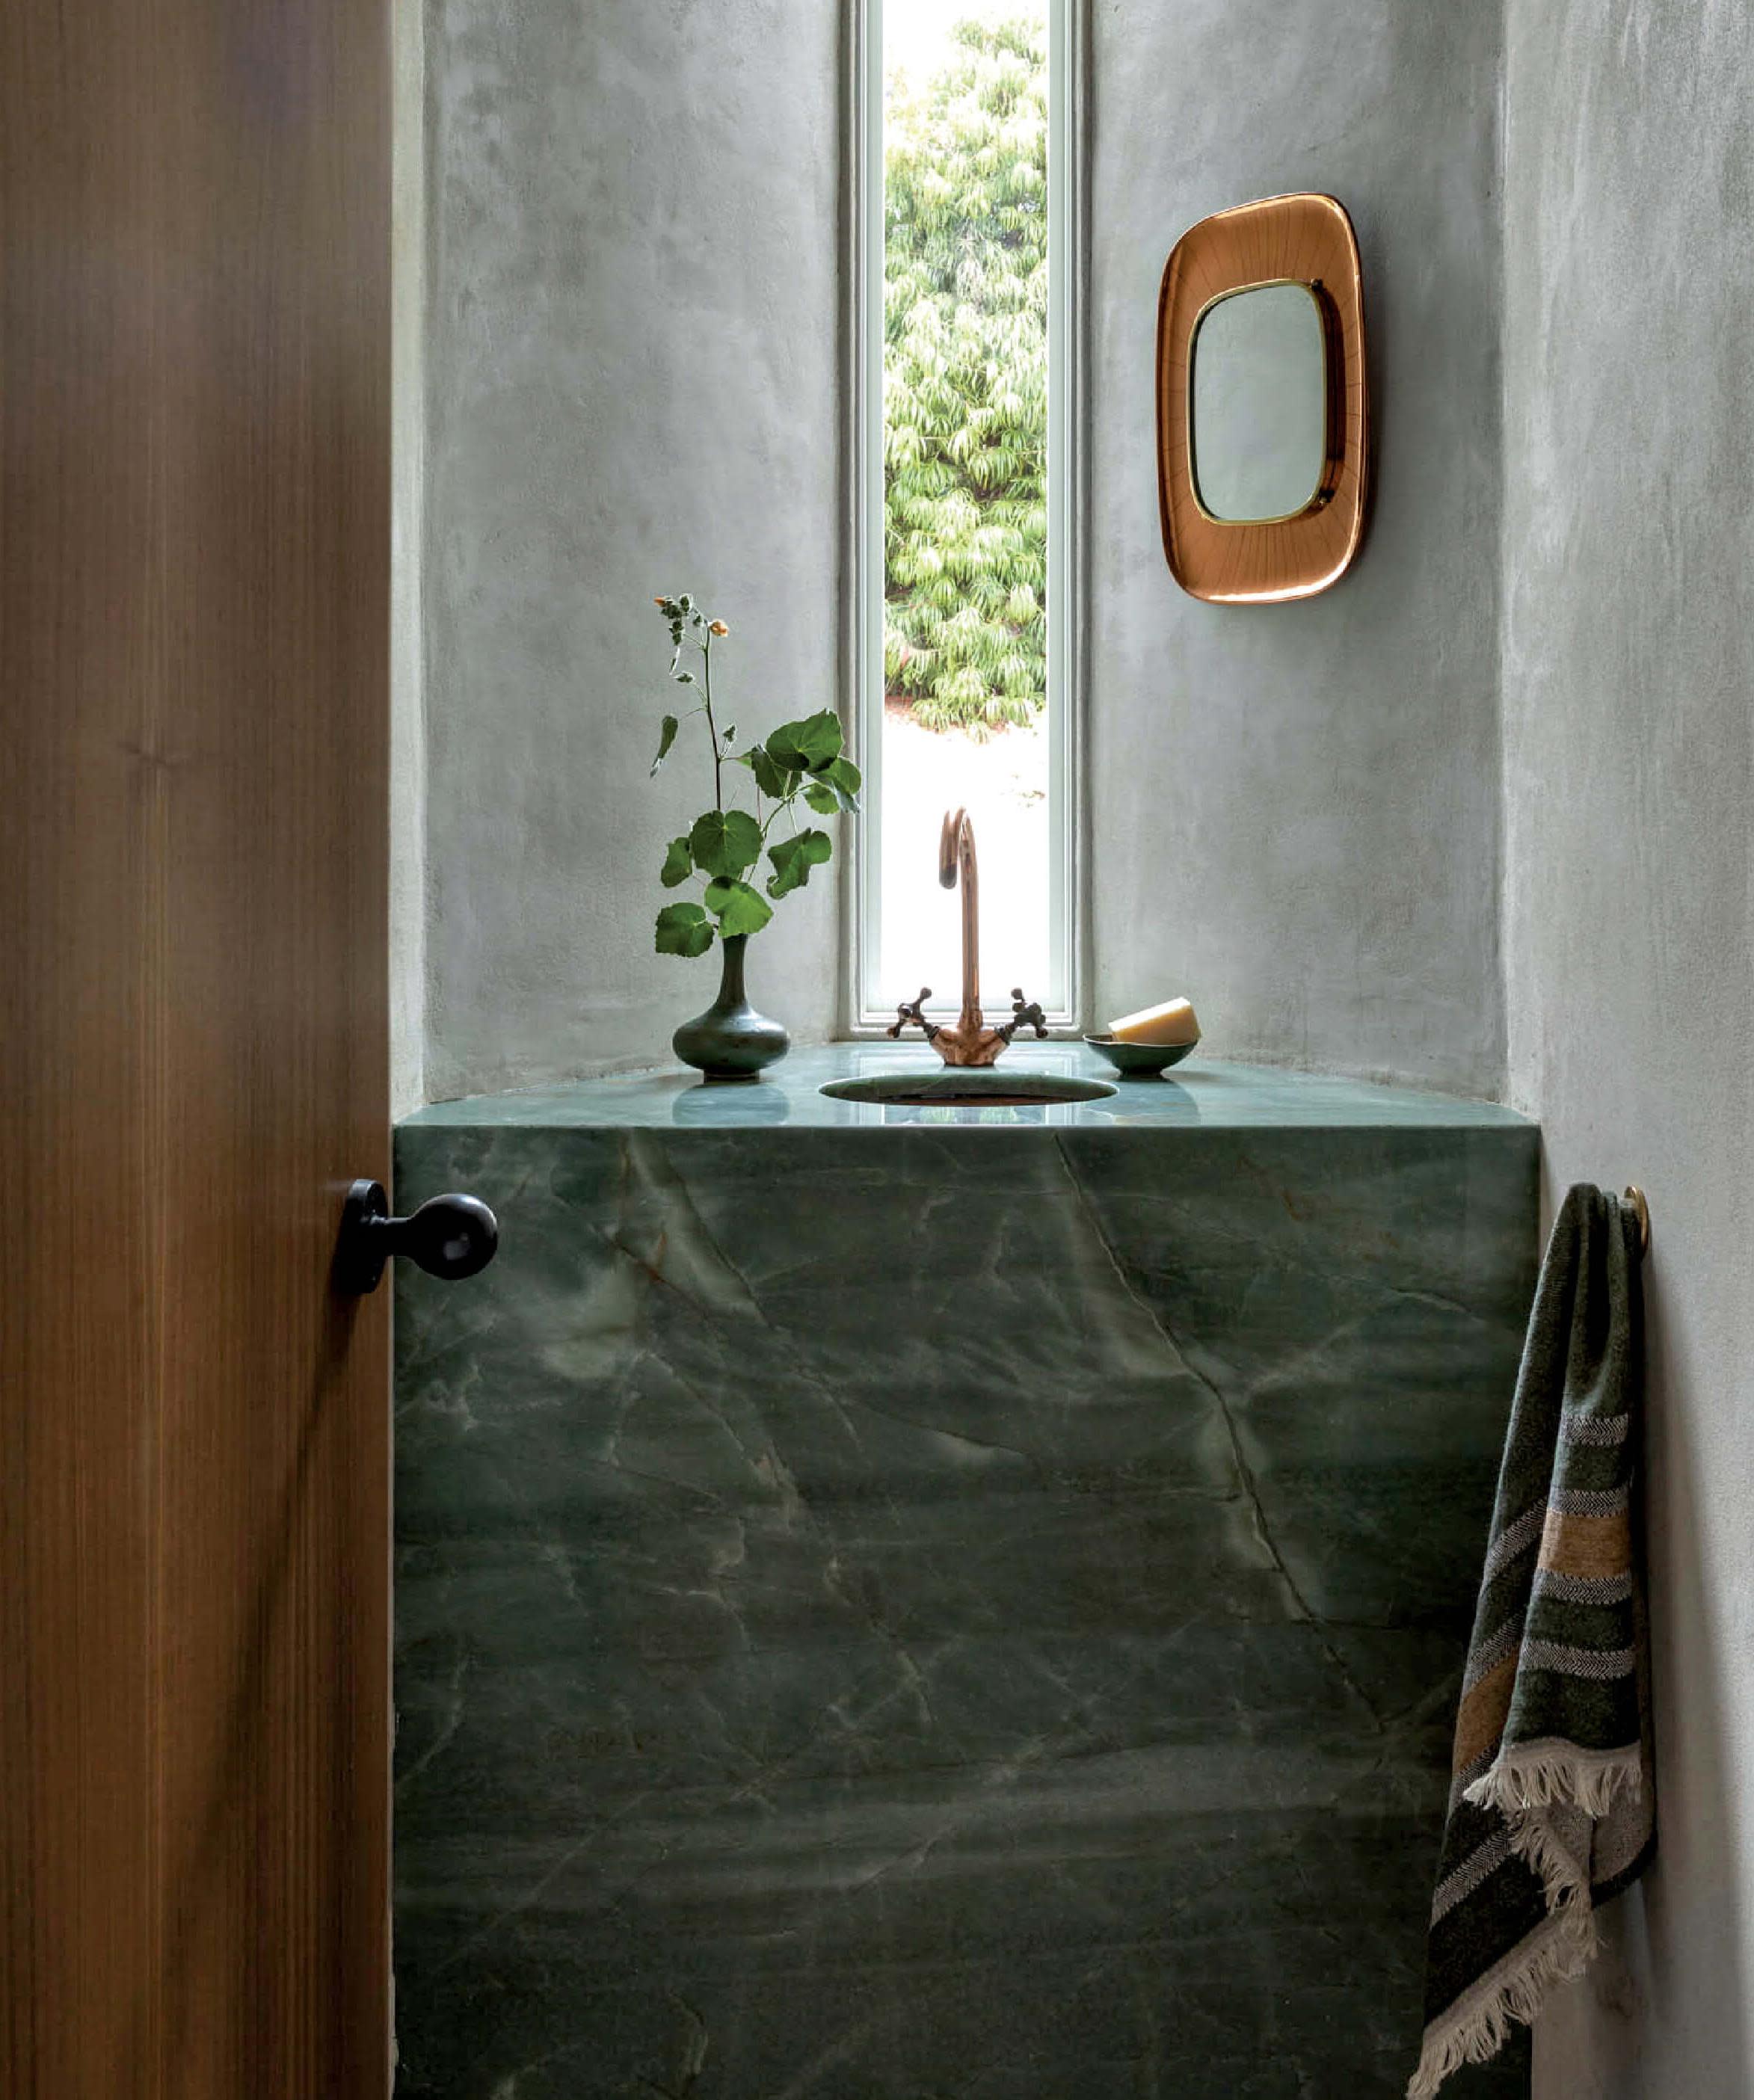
<point x="1259" y="403"/>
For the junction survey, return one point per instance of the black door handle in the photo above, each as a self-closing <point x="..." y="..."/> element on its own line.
<point x="448" y="1237"/>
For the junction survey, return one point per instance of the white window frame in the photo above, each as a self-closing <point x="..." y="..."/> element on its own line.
<point x="1063" y="998"/>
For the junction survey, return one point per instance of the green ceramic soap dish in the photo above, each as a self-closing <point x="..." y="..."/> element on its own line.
<point x="1141" y="1061"/>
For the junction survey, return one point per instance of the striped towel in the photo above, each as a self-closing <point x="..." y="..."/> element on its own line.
<point x="1551" y="1809"/>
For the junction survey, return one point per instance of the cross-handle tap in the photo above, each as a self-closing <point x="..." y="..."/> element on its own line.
<point x="1025" y="1017"/>
<point x="913" y="1009"/>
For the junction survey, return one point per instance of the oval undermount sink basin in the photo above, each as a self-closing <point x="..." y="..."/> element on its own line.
<point x="978" y="1088"/>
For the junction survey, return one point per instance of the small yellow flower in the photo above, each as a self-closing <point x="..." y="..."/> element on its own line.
<point x="718" y="627"/>
<point x="657" y="601"/>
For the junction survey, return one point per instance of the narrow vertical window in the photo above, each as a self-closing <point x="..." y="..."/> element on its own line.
<point x="966" y="666"/>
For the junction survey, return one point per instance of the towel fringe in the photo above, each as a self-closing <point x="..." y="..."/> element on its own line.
<point x="1556" y="1775"/>
<point x="1526" y="1785"/>
<point x="1558" y="1953"/>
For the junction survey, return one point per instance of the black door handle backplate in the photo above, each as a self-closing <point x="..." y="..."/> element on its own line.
<point x="449" y="1236"/>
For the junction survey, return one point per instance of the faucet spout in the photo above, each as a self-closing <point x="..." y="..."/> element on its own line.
<point x="956" y="863"/>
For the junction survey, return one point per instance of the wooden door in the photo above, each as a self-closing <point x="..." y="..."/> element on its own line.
<point x="194" y="538"/>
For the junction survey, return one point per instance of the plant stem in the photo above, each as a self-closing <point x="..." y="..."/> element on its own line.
<point x="706" y="671"/>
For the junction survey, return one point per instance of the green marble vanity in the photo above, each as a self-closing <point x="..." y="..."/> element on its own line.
<point x="896" y="1601"/>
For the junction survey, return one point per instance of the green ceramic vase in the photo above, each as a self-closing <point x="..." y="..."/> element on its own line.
<point x="731" y="1040"/>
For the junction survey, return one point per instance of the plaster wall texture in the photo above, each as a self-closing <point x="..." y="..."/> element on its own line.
<point x="633" y="366"/>
<point x="1628" y="713"/>
<point x="1294" y="809"/>
<point x="633" y="384"/>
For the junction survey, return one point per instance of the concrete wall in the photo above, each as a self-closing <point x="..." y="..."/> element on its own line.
<point x="632" y="386"/>
<point x="1628" y="701"/>
<point x="1295" y="808"/>
<point x="633" y="361"/>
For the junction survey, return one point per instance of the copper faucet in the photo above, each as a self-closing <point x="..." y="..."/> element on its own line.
<point x="967" y="1040"/>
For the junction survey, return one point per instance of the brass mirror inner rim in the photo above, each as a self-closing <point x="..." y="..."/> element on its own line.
<point x="1306" y="240"/>
<point x="1333" y="433"/>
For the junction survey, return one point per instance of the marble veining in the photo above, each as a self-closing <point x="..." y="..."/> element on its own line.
<point x="906" y="1610"/>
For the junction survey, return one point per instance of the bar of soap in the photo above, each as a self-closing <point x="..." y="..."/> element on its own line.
<point x="1172" y="1022"/>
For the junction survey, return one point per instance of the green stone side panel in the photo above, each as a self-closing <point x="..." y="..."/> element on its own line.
<point x="890" y="1613"/>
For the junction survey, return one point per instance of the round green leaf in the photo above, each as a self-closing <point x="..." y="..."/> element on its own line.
<point x="740" y="909"/>
<point x="773" y="780"/>
<point x="724" y="842"/>
<point x="835" y="790"/>
<point x="683" y="929"/>
<point x="794" y="858"/>
<point x="678" y="864"/>
<point x="810" y="746"/>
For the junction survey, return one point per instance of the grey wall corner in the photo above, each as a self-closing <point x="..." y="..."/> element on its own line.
<point x="1628" y="784"/>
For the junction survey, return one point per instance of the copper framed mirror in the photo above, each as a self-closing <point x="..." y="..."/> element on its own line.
<point x="1263" y="444"/>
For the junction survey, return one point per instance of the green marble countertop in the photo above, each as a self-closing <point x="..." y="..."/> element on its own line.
<point x="1202" y="1092"/>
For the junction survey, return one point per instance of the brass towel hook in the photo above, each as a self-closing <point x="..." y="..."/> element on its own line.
<point x="1636" y="1197"/>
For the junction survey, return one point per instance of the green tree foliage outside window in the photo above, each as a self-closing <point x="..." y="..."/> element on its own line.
<point x="966" y="383"/>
